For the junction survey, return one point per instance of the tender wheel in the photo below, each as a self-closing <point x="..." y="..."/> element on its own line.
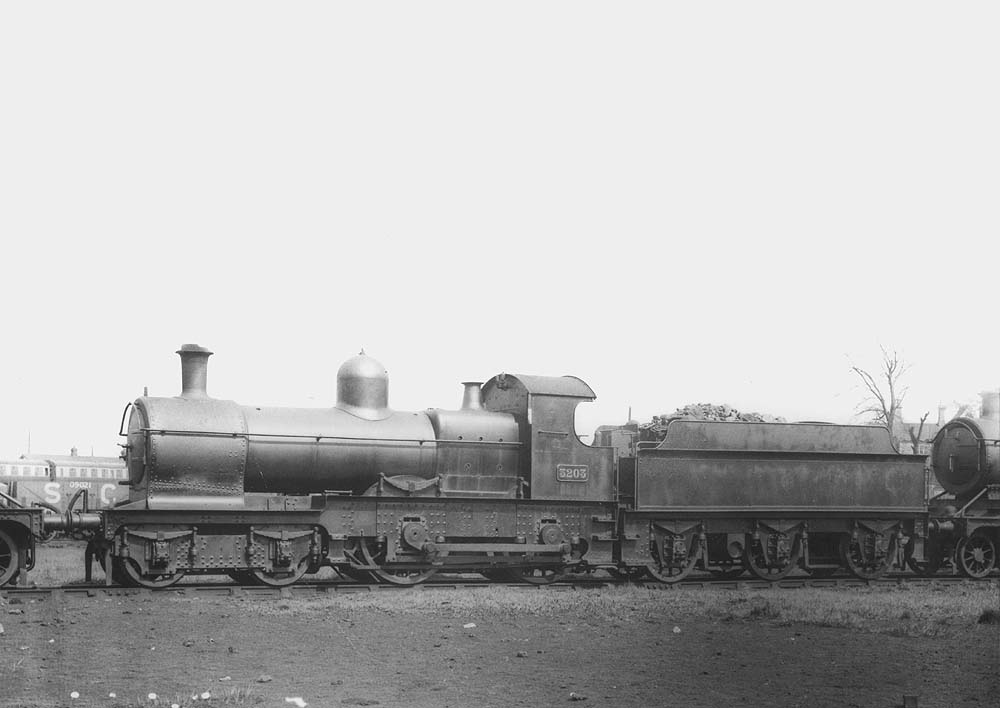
<point x="8" y="558"/>
<point x="977" y="555"/>
<point x="863" y="557"/>
<point x="768" y="559"/>
<point x="280" y="579"/>
<point x="127" y="572"/>
<point x="670" y="565"/>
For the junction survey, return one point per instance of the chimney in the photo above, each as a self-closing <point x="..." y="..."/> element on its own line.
<point x="194" y="371"/>
<point x="73" y="451"/>
<point x="990" y="405"/>
<point x="941" y="420"/>
<point x="472" y="399"/>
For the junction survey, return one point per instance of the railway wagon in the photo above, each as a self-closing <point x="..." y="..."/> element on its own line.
<point x="53" y="480"/>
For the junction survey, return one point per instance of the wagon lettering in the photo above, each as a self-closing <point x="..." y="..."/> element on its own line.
<point x="572" y="473"/>
<point x="52" y="493"/>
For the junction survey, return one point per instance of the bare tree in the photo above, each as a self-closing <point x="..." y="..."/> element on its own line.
<point x="915" y="436"/>
<point x="886" y="393"/>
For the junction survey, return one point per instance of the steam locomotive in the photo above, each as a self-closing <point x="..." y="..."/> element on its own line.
<point x="503" y="486"/>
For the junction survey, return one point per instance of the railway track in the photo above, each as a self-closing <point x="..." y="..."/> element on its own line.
<point x="313" y="589"/>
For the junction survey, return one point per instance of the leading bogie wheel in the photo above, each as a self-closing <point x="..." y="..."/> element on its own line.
<point x="127" y="571"/>
<point x="977" y="555"/>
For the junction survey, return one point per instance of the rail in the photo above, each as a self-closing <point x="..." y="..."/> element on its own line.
<point x="16" y="594"/>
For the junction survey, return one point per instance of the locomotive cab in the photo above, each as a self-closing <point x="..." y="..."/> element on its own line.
<point x="562" y="466"/>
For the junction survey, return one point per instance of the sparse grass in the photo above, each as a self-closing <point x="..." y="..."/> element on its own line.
<point x="901" y="610"/>
<point x="904" y="611"/>
<point x="233" y="696"/>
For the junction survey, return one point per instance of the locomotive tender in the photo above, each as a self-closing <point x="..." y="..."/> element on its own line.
<point x="504" y="487"/>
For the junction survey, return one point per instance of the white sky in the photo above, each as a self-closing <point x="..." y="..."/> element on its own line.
<point x="679" y="203"/>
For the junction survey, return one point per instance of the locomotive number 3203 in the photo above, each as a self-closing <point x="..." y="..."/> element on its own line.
<point x="571" y="473"/>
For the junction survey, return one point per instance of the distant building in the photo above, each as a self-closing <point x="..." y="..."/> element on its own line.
<point x="903" y="433"/>
<point x="64" y="466"/>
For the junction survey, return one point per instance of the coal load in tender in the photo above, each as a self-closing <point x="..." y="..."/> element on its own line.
<point x="657" y="429"/>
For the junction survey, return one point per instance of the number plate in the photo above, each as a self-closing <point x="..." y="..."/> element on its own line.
<point x="572" y="473"/>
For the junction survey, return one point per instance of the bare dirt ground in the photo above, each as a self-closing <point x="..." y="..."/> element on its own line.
<point x="529" y="647"/>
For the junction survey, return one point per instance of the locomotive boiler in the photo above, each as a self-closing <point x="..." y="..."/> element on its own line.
<point x="193" y="449"/>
